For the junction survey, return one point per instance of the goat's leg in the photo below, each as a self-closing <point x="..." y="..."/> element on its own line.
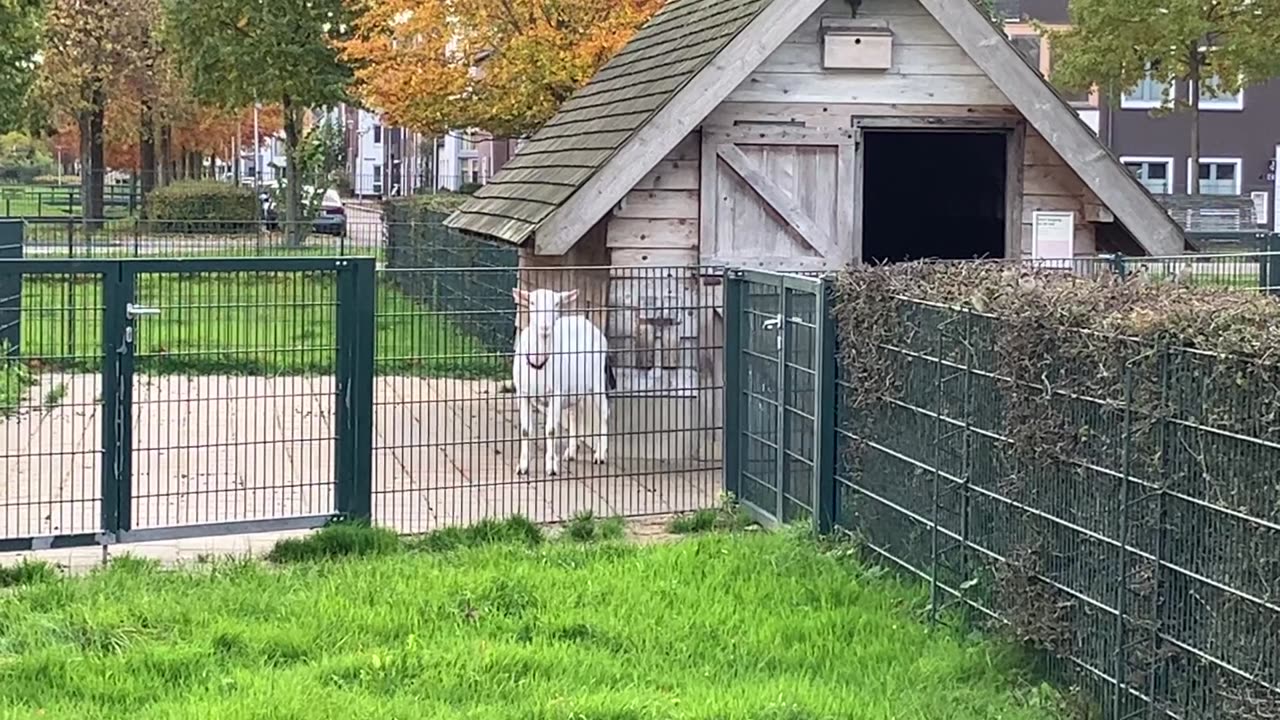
<point x="602" y="444"/>
<point x="526" y="429"/>
<point x="571" y="452"/>
<point x="554" y="408"/>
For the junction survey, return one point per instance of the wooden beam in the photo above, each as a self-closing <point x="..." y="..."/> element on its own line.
<point x="1015" y="182"/>
<point x="672" y="124"/>
<point x="779" y="200"/>
<point x="1150" y="225"/>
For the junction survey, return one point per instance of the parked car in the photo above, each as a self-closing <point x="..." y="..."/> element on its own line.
<point x="331" y="217"/>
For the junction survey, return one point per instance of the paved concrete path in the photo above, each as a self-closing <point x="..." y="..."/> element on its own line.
<point x="211" y="449"/>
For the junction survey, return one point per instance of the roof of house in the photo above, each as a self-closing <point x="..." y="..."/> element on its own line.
<point x="590" y="127"/>
<point x="686" y="61"/>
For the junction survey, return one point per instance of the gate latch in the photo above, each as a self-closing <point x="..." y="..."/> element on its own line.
<point x="132" y="311"/>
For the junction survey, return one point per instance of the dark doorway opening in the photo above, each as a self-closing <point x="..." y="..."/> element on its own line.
<point x="933" y="194"/>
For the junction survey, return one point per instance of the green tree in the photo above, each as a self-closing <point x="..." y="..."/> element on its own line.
<point x="19" y="44"/>
<point x="1218" y="46"/>
<point x="90" y="45"/>
<point x="237" y="52"/>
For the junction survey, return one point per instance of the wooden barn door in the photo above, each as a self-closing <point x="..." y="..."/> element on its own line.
<point x="781" y="199"/>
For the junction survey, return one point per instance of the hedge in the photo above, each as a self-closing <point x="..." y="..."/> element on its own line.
<point x="202" y="206"/>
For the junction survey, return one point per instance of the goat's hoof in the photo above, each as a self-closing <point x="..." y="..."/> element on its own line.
<point x="522" y="472"/>
<point x="570" y="455"/>
<point x="598" y="460"/>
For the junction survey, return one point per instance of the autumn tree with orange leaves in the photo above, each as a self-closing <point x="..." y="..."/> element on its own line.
<point x="500" y="65"/>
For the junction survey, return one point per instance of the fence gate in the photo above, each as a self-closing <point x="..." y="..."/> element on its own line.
<point x="154" y="399"/>
<point x="779" y="359"/>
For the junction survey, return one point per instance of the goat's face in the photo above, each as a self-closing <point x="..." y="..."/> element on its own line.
<point x="544" y="307"/>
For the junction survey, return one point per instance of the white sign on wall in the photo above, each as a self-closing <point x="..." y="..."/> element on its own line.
<point x="1053" y="237"/>
<point x="1261" y="207"/>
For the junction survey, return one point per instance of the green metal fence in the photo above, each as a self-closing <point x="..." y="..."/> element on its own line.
<point x="781" y="324"/>
<point x="419" y="246"/>
<point x="151" y="399"/>
<point x="1144" y="559"/>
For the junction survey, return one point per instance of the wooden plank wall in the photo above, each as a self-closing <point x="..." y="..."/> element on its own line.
<point x="929" y="68"/>
<point x="657" y="223"/>
<point x="1050" y="184"/>
<point x="651" y="236"/>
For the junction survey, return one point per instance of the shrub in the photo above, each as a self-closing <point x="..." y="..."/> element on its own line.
<point x="202" y="206"/>
<point x="56" y="180"/>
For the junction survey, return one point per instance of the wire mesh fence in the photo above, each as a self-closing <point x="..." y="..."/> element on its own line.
<point x="463" y="421"/>
<point x="1122" y="516"/>
<point x="158" y="397"/>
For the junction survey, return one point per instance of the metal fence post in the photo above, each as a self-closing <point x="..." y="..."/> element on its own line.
<point x="1271" y="264"/>
<point x="734" y="287"/>
<point x="354" y="446"/>
<point x="824" y="466"/>
<point x="1119" y="266"/>
<point x="11" y="241"/>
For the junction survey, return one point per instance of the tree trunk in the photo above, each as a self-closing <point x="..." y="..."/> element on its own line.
<point x="92" y="165"/>
<point x="147" y="151"/>
<point x="1194" y="101"/>
<point x="293" y="192"/>
<point x="166" y="155"/>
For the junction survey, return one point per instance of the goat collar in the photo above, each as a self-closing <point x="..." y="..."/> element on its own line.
<point x="537" y="366"/>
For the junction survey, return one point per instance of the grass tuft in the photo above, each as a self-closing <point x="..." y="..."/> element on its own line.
<point x="338" y="540"/>
<point x="516" y="530"/>
<point x="586" y="527"/>
<point x="729" y="517"/>
<point x="27" y="572"/>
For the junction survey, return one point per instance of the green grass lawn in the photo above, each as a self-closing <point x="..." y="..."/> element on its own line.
<point x="55" y="200"/>
<point x="251" y="323"/>
<point x="750" y="626"/>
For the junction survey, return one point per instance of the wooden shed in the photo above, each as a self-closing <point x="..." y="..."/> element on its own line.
<point x="806" y="135"/>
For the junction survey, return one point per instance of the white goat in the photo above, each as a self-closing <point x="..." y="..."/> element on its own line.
<point x="564" y="361"/>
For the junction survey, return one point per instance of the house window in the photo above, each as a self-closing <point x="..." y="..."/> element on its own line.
<point x="377" y="179"/>
<point x="1218" y="176"/>
<point x="1219" y="100"/>
<point x="1150" y="93"/>
<point x="1156" y="174"/>
<point x="377" y="134"/>
<point x="471" y="171"/>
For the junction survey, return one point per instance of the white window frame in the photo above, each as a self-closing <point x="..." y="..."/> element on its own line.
<point x="376" y="133"/>
<point x="1151" y="160"/>
<point x="1128" y="103"/>
<point x="1229" y="103"/>
<point x="1219" y="161"/>
<point x="377" y="184"/>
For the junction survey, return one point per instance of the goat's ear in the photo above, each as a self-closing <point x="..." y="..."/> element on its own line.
<point x="521" y="297"/>
<point x="567" y="298"/>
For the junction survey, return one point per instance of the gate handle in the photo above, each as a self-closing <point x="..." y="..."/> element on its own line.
<point x="772" y="323"/>
<point x="132" y="311"/>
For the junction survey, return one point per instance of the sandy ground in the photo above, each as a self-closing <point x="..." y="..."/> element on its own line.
<point x="220" y="448"/>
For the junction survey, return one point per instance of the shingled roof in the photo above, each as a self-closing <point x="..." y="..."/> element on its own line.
<point x="590" y="127"/>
